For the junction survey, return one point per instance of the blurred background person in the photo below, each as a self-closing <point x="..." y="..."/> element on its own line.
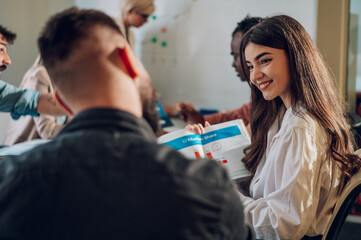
<point x="191" y="114"/>
<point x="134" y="13"/>
<point x="28" y="127"/>
<point x="22" y="102"/>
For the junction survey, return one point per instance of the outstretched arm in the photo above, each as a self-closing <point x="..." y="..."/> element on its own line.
<point x="47" y="104"/>
<point x="27" y="102"/>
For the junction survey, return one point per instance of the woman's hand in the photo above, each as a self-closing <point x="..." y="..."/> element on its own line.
<point x="198" y="128"/>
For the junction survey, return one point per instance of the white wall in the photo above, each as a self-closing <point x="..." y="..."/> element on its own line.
<point x="355" y="52"/>
<point x="26" y="18"/>
<point x="108" y="6"/>
<point x="196" y="63"/>
<point x="4" y="121"/>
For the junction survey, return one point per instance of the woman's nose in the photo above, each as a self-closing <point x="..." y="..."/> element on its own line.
<point x="256" y="74"/>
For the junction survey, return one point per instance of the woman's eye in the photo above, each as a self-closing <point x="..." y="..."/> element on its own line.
<point x="250" y="67"/>
<point x="264" y="61"/>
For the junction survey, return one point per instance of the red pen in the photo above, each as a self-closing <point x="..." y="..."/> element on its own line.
<point x="123" y="53"/>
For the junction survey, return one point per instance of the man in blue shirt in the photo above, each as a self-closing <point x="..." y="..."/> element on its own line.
<point x="22" y="101"/>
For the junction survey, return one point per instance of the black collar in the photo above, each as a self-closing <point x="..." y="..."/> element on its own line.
<point x="109" y="118"/>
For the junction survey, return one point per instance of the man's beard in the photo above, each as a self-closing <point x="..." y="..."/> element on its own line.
<point x="150" y="113"/>
<point x="2" y="68"/>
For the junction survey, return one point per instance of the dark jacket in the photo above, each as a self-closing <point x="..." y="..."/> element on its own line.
<point x="105" y="177"/>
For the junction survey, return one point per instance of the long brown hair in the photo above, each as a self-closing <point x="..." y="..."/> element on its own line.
<point x="313" y="89"/>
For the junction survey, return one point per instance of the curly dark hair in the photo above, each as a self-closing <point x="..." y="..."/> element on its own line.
<point x="8" y="35"/>
<point x="244" y="25"/>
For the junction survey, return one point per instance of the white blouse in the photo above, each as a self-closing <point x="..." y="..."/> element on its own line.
<point x="295" y="186"/>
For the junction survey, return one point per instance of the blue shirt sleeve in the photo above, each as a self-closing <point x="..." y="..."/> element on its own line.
<point x="18" y="101"/>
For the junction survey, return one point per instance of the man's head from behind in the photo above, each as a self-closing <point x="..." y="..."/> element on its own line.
<point x="237" y="35"/>
<point x="6" y="37"/>
<point x="91" y="64"/>
<point x="65" y="31"/>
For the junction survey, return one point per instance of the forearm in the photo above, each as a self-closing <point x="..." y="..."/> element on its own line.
<point x="47" y="104"/>
<point x="240" y="113"/>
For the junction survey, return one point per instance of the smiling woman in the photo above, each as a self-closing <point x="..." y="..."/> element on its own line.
<point x="269" y="71"/>
<point x="301" y="155"/>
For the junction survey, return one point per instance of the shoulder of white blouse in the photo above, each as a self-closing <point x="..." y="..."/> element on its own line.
<point x="304" y="124"/>
<point x="307" y="125"/>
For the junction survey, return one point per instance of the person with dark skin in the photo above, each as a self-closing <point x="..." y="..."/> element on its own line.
<point x="189" y="113"/>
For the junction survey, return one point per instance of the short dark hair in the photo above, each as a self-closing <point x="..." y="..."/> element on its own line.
<point x="64" y="30"/>
<point x="244" y="25"/>
<point x="8" y="35"/>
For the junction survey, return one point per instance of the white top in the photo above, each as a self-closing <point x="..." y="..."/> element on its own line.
<point x="27" y="127"/>
<point x="295" y="186"/>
